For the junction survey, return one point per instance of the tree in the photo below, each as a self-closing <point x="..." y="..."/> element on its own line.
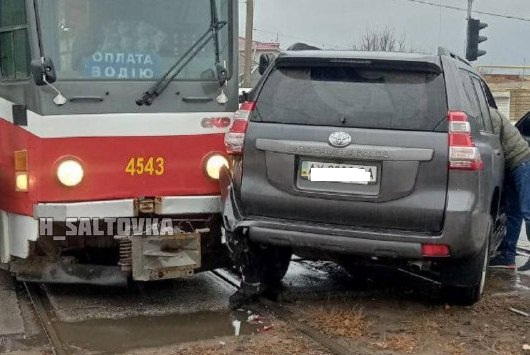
<point x="383" y="39"/>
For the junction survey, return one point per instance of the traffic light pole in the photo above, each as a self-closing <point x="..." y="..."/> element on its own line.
<point x="469" y="8"/>
<point x="473" y="38"/>
<point x="469" y="13"/>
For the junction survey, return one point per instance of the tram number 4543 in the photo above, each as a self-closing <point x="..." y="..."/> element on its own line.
<point x="145" y="166"/>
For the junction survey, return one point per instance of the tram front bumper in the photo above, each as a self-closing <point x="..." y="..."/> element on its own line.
<point x="171" y="205"/>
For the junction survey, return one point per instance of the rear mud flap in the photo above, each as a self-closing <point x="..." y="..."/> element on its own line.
<point x="463" y="272"/>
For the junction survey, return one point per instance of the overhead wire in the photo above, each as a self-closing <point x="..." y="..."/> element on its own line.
<point x="423" y="2"/>
<point x="510" y="17"/>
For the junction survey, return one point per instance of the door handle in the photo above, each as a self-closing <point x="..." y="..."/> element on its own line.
<point x="86" y="99"/>
<point x="197" y="99"/>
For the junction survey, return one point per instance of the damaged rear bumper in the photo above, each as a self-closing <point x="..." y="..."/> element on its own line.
<point x="464" y="231"/>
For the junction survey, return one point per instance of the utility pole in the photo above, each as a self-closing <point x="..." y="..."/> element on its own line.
<point x="469" y="8"/>
<point x="247" y="72"/>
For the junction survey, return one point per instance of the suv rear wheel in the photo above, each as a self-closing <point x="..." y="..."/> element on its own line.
<point x="274" y="264"/>
<point x="478" y="266"/>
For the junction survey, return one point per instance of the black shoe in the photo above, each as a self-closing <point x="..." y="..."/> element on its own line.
<point x="501" y="262"/>
<point x="525" y="267"/>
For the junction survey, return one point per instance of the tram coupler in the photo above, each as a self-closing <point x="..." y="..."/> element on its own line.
<point x="161" y="257"/>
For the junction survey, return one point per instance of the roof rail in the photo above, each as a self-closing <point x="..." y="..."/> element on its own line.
<point x="447" y="52"/>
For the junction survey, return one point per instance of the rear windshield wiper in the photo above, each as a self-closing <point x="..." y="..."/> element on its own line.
<point x="212" y="33"/>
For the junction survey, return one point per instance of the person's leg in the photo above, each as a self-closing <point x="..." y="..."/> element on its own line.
<point x="514" y="220"/>
<point x="523" y="187"/>
<point x="526" y="266"/>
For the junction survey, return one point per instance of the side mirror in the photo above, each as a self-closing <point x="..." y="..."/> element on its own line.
<point x="264" y="61"/>
<point x="222" y="74"/>
<point x="43" y="71"/>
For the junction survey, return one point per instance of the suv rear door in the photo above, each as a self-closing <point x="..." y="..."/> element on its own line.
<point x="396" y="115"/>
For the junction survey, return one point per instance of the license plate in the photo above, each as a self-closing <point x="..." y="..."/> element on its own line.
<point x="348" y="173"/>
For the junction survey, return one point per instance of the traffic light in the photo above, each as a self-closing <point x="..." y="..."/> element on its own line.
<point x="474" y="39"/>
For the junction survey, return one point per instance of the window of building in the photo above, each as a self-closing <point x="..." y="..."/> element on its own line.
<point x="15" y="55"/>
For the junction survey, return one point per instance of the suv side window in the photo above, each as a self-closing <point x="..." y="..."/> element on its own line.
<point x="484" y="107"/>
<point x="15" y="55"/>
<point x="489" y="95"/>
<point x="471" y="95"/>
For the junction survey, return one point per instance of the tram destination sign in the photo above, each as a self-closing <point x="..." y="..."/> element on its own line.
<point x="114" y="65"/>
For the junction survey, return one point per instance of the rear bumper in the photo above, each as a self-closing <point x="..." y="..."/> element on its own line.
<point x="125" y="208"/>
<point x="465" y="229"/>
<point x="330" y="241"/>
<point x="462" y="234"/>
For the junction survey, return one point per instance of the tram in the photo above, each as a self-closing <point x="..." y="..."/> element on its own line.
<point x="112" y="114"/>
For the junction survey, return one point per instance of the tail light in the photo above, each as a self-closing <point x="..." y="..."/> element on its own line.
<point x="463" y="155"/>
<point x="435" y="250"/>
<point x="235" y="137"/>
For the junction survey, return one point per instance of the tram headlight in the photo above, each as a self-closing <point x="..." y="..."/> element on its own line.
<point x="214" y="164"/>
<point x="21" y="181"/>
<point x="70" y="172"/>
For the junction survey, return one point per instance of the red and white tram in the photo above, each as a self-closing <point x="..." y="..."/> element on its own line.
<point x="113" y="111"/>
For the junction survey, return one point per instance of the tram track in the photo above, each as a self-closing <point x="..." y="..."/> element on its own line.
<point x="34" y="292"/>
<point x="284" y="314"/>
<point x="38" y="301"/>
<point x="287" y="313"/>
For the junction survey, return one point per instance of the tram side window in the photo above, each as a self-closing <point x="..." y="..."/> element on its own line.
<point x="15" y="55"/>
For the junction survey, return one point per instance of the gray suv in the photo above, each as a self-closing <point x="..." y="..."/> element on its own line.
<point x="360" y="157"/>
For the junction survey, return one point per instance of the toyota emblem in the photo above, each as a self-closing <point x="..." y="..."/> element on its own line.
<point x="339" y="139"/>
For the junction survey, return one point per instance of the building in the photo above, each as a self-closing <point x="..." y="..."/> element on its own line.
<point x="258" y="48"/>
<point x="511" y="92"/>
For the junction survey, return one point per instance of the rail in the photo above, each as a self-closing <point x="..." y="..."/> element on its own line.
<point x="35" y="296"/>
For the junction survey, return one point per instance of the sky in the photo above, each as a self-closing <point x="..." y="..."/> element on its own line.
<point x="340" y="23"/>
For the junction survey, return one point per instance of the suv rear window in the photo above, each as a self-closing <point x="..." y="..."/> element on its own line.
<point x="348" y="96"/>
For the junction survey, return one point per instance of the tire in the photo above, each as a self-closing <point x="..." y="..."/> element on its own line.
<point x="469" y="295"/>
<point x="274" y="264"/>
<point x="270" y="263"/>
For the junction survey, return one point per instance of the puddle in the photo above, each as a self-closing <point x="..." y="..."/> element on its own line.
<point x="510" y="281"/>
<point x="112" y="336"/>
<point x="78" y="303"/>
